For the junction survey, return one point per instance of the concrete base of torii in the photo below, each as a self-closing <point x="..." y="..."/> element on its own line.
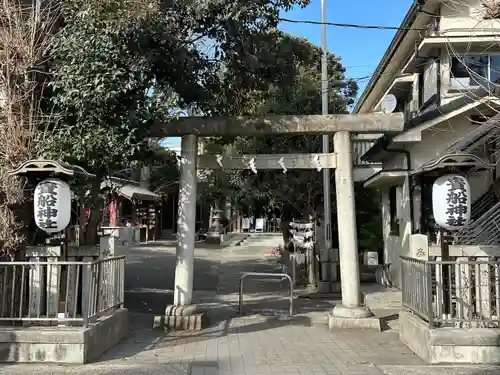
<point x="181" y="318"/>
<point x="358" y="317"/>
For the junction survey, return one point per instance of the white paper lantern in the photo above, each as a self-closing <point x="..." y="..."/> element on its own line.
<point x="52" y="205"/>
<point x="451" y="201"/>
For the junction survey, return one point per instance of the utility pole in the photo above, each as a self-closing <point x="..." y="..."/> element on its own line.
<point x="326" y="139"/>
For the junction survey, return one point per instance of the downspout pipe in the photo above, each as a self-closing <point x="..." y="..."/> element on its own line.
<point x="410" y="178"/>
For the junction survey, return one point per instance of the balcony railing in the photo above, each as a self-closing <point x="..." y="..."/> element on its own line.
<point x="60" y="293"/>
<point x="359" y="148"/>
<point x="462" y="293"/>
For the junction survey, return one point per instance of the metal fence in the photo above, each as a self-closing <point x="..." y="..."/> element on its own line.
<point x="266" y="226"/>
<point x="60" y="293"/>
<point x="463" y="292"/>
<point x="272" y="226"/>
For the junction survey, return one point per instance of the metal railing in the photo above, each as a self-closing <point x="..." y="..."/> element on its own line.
<point x="264" y="276"/>
<point x="272" y="226"/>
<point x="485" y="221"/>
<point x="62" y="293"/>
<point x="482" y="231"/>
<point x="359" y="148"/>
<point x="463" y="292"/>
<point x="484" y="203"/>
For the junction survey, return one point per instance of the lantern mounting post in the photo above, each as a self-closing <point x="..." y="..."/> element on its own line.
<point x="52" y="207"/>
<point x="451" y="208"/>
<point x="445" y="240"/>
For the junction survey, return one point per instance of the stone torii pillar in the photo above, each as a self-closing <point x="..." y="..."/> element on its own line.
<point x="351" y="313"/>
<point x="182" y="314"/>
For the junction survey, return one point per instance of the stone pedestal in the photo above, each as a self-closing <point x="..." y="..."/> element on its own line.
<point x="181" y="318"/>
<point x="357" y="317"/>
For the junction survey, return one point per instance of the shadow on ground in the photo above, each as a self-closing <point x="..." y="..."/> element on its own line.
<point x="170" y="368"/>
<point x="143" y="339"/>
<point x="149" y="278"/>
<point x="149" y="283"/>
<point x="150" y="271"/>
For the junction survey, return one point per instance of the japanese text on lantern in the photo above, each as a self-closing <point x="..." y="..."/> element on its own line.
<point x="457" y="202"/>
<point x="47" y="206"/>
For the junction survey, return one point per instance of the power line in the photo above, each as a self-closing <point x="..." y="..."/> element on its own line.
<point x="350" y="25"/>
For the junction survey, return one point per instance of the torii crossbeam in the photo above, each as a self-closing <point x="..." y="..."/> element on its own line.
<point x="207" y="126"/>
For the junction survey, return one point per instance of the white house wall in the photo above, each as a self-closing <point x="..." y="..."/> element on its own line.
<point x="430" y="84"/>
<point x="438" y="138"/>
<point x="459" y="17"/>
<point x="433" y="143"/>
<point x="445" y="69"/>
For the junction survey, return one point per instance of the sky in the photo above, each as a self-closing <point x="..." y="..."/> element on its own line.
<point x="360" y="49"/>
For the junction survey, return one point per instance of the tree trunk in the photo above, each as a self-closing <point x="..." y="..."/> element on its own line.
<point x="95" y="212"/>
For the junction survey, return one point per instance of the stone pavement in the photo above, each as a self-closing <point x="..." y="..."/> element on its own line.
<point x="262" y="341"/>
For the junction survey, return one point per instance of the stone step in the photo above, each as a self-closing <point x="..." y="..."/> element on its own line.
<point x="389" y="318"/>
<point x="376" y="296"/>
<point x="261" y="242"/>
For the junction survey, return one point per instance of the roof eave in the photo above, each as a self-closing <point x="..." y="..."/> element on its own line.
<point x="410" y="17"/>
<point x="375" y="153"/>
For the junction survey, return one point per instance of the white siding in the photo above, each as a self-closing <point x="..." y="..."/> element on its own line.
<point x="462" y="17"/>
<point x="436" y="139"/>
<point x="430" y="85"/>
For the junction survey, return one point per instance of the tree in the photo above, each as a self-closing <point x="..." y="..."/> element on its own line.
<point x="105" y="98"/>
<point x="122" y="65"/>
<point x="289" y="83"/>
<point x="165" y="172"/>
<point x="26" y="33"/>
<point x="292" y="67"/>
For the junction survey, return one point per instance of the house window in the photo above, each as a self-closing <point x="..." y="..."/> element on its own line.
<point x="474" y="71"/>
<point x="394" y="230"/>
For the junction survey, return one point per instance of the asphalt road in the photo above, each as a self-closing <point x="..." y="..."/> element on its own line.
<point x="150" y="272"/>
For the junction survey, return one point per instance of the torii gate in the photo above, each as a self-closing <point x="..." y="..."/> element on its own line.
<point x="183" y="314"/>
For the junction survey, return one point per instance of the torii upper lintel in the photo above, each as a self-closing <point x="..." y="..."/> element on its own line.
<point x="210" y="126"/>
